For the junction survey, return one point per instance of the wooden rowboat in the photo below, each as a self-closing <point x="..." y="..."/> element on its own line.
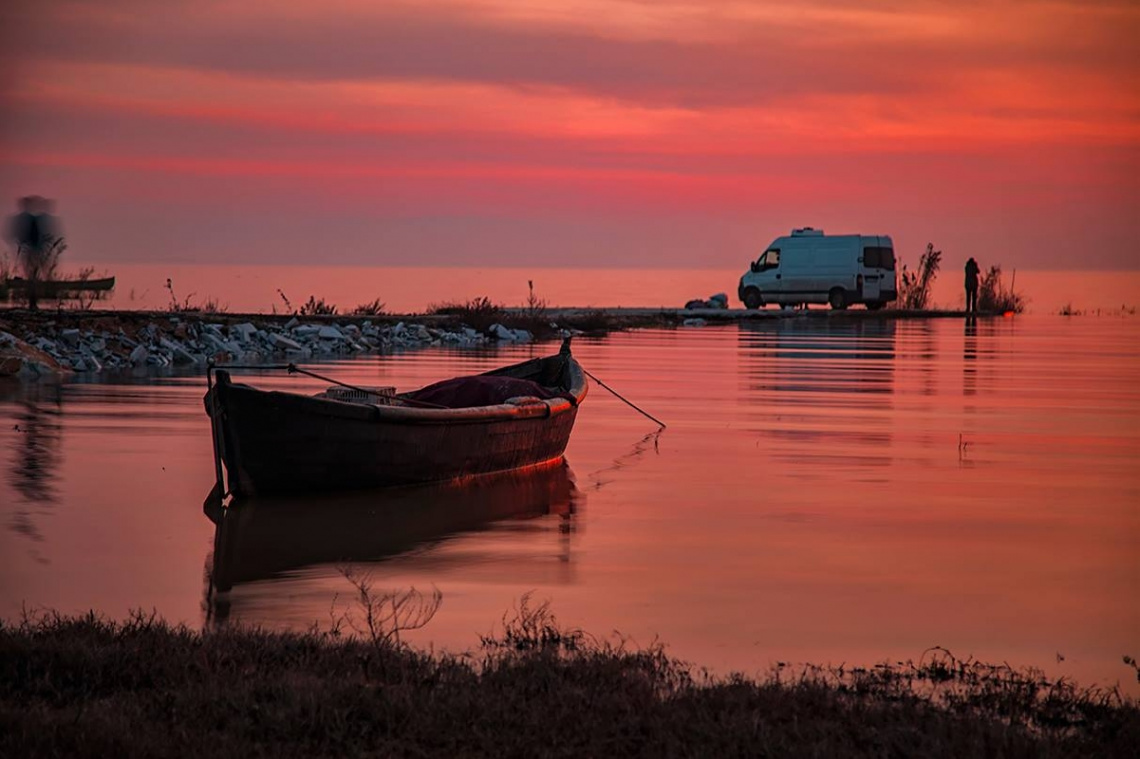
<point x="515" y="417"/>
<point x="50" y="288"/>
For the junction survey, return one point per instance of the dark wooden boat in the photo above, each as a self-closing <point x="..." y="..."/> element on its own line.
<point x="50" y="288"/>
<point x="268" y="536"/>
<point x="510" y="418"/>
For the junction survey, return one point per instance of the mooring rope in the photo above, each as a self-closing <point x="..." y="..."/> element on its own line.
<point x="618" y="395"/>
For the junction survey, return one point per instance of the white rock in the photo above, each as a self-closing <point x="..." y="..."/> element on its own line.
<point x="244" y="332"/>
<point x="306" y="331"/>
<point x="292" y="323"/>
<point x="70" y="336"/>
<point x="179" y="354"/>
<point x="138" y="355"/>
<point x="329" y="332"/>
<point x="694" y="323"/>
<point x="284" y="343"/>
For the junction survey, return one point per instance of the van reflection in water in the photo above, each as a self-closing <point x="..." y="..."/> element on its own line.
<point x="276" y="539"/>
<point x="816" y="380"/>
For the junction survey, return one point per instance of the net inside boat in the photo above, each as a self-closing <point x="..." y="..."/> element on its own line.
<point x="382" y="396"/>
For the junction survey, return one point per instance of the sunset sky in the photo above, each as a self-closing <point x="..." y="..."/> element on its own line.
<point x="582" y="133"/>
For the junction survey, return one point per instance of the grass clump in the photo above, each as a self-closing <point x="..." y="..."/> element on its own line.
<point x="995" y="298"/>
<point x="371" y="308"/>
<point x="86" y="686"/>
<point x="317" y="307"/>
<point x="478" y="313"/>
<point x="190" y="306"/>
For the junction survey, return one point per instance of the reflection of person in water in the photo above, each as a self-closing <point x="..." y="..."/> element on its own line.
<point x="36" y="453"/>
<point x="35" y="444"/>
<point x="972" y="286"/>
<point x="969" y="357"/>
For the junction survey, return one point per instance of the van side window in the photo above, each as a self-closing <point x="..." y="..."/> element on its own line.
<point x="879" y="258"/>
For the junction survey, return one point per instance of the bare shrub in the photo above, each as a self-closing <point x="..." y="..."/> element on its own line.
<point x="213" y="306"/>
<point x="914" y="287"/>
<point x="85" y="299"/>
<point x="388" y="613"/>
<point x="190" y="306"/>
<point x="535" y="306"/>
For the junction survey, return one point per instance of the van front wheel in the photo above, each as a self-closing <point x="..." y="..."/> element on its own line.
<point x="752" y="299"/>
<point x="837" y="298"/>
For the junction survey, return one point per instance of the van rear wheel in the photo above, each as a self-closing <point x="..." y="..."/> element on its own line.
<point x="837" y="298"/>
<point x="752" y="299"/>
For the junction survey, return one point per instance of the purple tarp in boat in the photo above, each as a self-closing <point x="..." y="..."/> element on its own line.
<point x="482" y="390"/>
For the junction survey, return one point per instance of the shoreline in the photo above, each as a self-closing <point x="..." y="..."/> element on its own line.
<point x="44" y="343"/>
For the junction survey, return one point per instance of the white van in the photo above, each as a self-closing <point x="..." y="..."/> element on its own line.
<point x="811" y="267"/>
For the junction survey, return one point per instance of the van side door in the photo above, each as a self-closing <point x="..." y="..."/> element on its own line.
<point x="872" y="268"/>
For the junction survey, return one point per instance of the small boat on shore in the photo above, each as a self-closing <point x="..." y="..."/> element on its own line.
<point x="51" y="288"/>
<point x="515" y="417"/>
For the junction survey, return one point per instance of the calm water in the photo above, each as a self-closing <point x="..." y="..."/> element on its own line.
<point x="825" y="491"/>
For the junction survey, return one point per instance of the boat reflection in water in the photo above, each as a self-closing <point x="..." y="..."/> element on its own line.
<point x="273" y="537"/>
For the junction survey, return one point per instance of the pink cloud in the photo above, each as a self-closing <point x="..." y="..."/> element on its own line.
<point x="596" y="115"/>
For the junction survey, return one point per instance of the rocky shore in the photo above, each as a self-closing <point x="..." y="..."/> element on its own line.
<point x="38" y="345"/>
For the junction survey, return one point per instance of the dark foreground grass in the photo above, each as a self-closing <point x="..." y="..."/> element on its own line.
<point x="89" y="687"/>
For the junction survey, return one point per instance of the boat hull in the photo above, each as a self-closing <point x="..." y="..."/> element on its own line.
<point x="50" y="288"/>
<point x="273" y="442"/>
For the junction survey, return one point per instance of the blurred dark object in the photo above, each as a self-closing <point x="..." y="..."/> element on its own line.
<point x="35" y="232"/>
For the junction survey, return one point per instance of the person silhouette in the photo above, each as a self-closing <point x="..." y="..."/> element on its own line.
<point x="972" y="286"/>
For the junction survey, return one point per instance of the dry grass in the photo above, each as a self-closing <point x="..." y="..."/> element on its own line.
<point x="84" y="686"/>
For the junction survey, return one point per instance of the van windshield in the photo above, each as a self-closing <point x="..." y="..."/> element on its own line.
<point x="879" y="258"/>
